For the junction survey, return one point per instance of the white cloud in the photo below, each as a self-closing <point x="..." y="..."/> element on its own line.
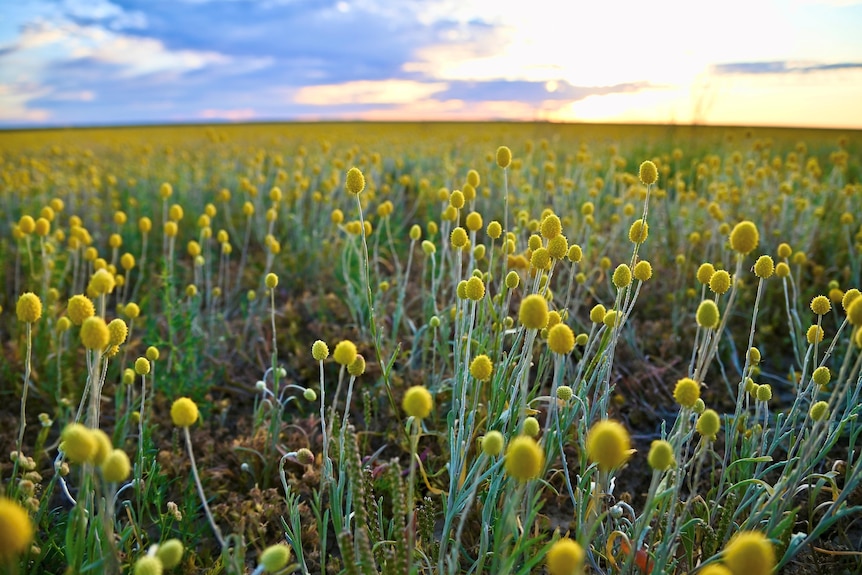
<point x="368" y="92"/>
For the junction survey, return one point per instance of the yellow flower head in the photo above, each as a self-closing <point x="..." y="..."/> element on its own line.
<point x="481" y="367"/>
<point x="708" y="424"/>
<point x="819" y="411"/>
<point x="750" y="553"/>
<point x="648" y="173"/>
<point x="533" y="313"/>
<point x="102" y="282"/>
<point x="355" y="182"/>
<point x="94" y="333"/>
<point x="78" y="443"/>
<point x="660" y="455"/>
<point x="704" y="273"/>
<point x="458" y="237"/>
<point x="642" y="271"/>
<point x="744" y="237"/>
<point x="184" y="412"/>
<point x="16" y="530"/>
<point x="417" y="402"/>
<point x="821" y="376"/>
<point x="565" y="557"/>
<point x="29" y="308"/>
<point x="707" y="314"/>
<point x="638" y="232"/>
<point x="821" y="305"/>
<point x="525" y="459"/>
<point x="357" y="366"/>
<point x="608" y="444"/>
<point x="764" y="267"/>
<point x="117" y="332"/>
<point x="475" y="289"/>
<point x="275" y="557"/>
<point x="561" y="339"/>
<point x="504" y="156"/>
<point x="116" y="467"/>
<point x="551" y="227"/>
<point x="142" y="366"/>
<point x="492" y="443"/>
<point x="148" y="565"/>
<point x="719" y="282"/>
<point x="170" y="553"/>
<point x="686" y="392"/>
<point x="622" y="276"/>
<point x="345" y="352"/>
<point x="319" y="350"/>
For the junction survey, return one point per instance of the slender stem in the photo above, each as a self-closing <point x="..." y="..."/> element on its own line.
<point x="209" y="514"/>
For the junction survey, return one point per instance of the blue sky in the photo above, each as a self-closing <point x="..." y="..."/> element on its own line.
<point x="762" y="62"/>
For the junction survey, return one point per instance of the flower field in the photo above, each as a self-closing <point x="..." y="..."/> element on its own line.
<point x="430" y="348"/>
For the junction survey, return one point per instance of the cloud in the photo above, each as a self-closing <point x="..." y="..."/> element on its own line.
<point x="781" y="67"/>
<point x="238" y="115"/>
<point x="367" y="92"/>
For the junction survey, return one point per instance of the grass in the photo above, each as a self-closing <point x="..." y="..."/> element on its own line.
<point x="241" y="249"/>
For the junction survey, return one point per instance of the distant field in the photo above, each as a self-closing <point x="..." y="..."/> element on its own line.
<point x="430" y="348"/>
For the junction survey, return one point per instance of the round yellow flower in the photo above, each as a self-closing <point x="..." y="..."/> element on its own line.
<point x="561" y="339"/>
<point x="642" y="271"/>
<point x="170" y="553"/>
<point x="481" y="367"/>
<point x="319" y="350"/>
<point x="764" y="267"/>
<point x="118" y="331"/>
<point x="29" y="308"/>
<point x="355" y="182"/>
<point x="102" y="282"/>
<point x="116" y="467"/>
<point x="707" y="315"/>
<point x="16" y="530"/>
<point x="525" y="459"/>
<point x="275" y="557"/>
<point x="94" y="333"/>
<point x="622" y="276"/>
<point x="531" y="426"/>
<point x="821" y="376"/>
<point x="458" y="237"/>
<point x="719" y="282"/>
<point x="345" y="352"/>
<point x="504" y="156"/>
<point x="744" y="237"/>
<point x="565" y="557"/>
<point x="78" y="443"/>
<point x="686" y="392"/>
<point x="648" y="173"/>
<point x="142" y="366"/>
<point x="660" y="455"/>
<point x="551" y="227"/>
<point x="749" y="553"/>
<point x="533" y="313"/>
<point x="608" y="444"/>
<point x="357" y="366"/>
<point x="148" y="565"/>
<point x="704" y="273"/>
<point x="184" y="412"/>
<point x="475" y="289"/>
<point x="708" y="424"/>
<point x="821" y="305"/>
<point x="819" y="411"/>
<point x="271" y="280"/>
<point x="492" y="443"/>
<point x="417" y="402"/>
<point x="638" y="232"/>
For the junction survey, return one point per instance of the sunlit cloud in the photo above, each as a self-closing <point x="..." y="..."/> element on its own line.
<point x="84" y="61"/>
<point x="368" y="92"/>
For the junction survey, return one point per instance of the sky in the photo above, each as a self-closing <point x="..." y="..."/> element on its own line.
<point x="737" y="62"/>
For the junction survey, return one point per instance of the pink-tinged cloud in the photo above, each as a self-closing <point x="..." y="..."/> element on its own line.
<point x="238" y="115"/>
<point x="367" y="92"/>
<point x="437" y="110"/>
